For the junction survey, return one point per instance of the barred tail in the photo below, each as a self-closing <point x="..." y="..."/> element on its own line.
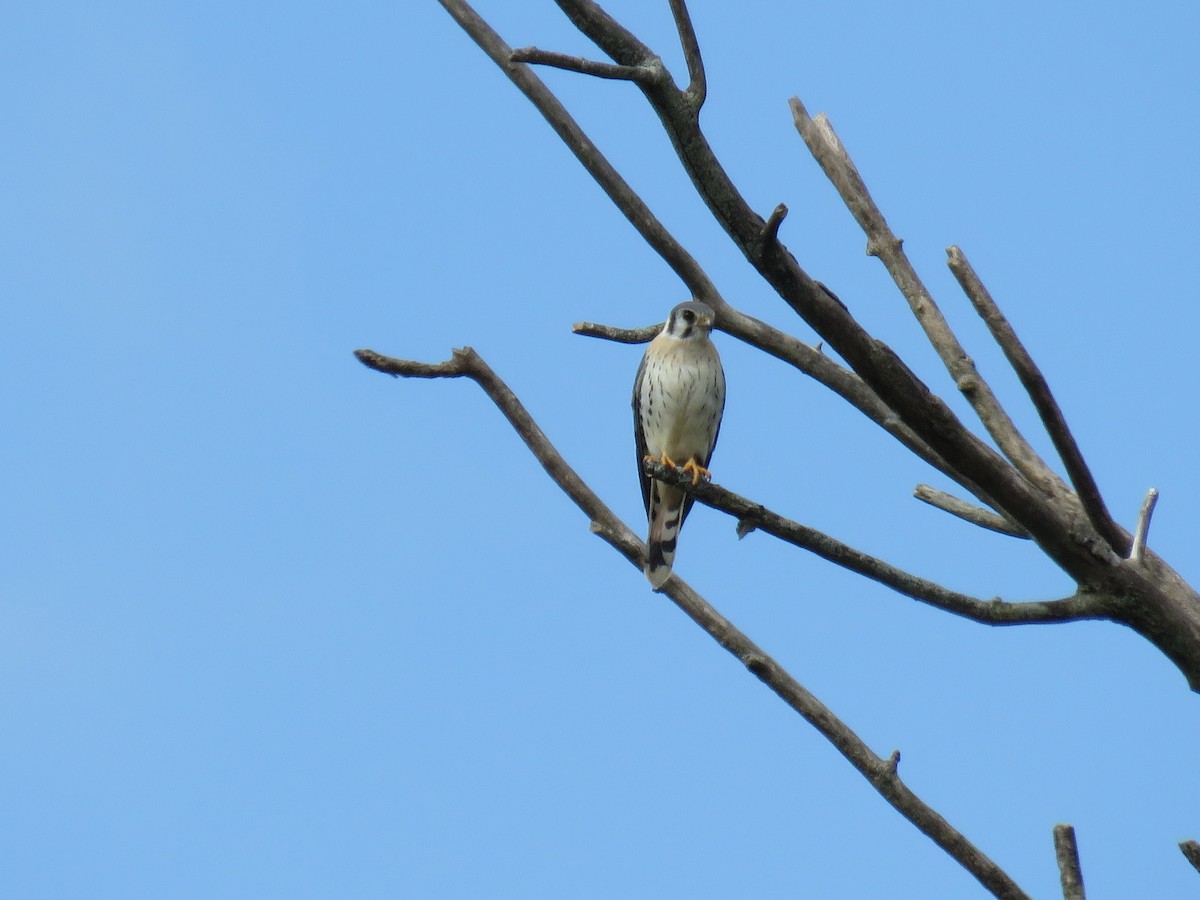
<point x="666" y="517"/>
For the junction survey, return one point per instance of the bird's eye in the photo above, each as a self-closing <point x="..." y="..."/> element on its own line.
<point x="688" y="316"/>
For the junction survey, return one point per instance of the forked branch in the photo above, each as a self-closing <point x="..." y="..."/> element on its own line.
<point x="697" y="89"/>
<point x="839" y="168"/>
<point x="753" y="516"/>
<point x="1043" y="401"/>
<point x="880" y="772"/>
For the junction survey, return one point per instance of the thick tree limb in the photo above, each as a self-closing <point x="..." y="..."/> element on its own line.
<point x="753" y="516"/>
<point x="880" y="772"/>
<point x="1066" y="850"/>
<point x="1043" y="401"/>
<point x="968" y="512"/>
<point x="827" y="149"/>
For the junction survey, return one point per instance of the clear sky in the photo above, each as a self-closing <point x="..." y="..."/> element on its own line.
<point x="273" y="625"/>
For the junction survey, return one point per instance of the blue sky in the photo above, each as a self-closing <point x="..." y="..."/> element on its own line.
<point x="274" y="625"/>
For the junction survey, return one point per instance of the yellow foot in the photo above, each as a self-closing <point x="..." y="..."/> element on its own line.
<point x="664" y="459"/>
<point x="698" y="471"/>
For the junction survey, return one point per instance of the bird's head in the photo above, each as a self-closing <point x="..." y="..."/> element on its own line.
<point x="690" y="321"/>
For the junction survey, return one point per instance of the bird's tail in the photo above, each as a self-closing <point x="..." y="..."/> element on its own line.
<point x="666" y="518"/>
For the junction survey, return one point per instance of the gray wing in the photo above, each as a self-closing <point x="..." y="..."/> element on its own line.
<point x="639" y="436"/>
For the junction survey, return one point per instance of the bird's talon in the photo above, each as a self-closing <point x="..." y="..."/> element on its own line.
<point x="698" y="471"/>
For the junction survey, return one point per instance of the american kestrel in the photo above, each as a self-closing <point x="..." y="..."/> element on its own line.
<point x="678" y="399"/>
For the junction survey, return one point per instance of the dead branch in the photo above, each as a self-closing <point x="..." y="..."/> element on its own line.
<point x="1143" y="525"/>
<point x="1148" y="596"/>
<point x="1191" y="850"/>
<point x="1066" y="850"/>
<point x="583" y="66"/>
<point x="1043" y="401"/>
<point x="969" y="512"/>
<point x="753" y="516"/>
<point x="880" y="772"/>
<point x="697" y="89"/>
<point x="829" y="152"/>
<point x="1060" y="528"/>
<point x="620" y="335"/>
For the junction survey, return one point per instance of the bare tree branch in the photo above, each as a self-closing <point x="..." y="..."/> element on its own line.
<point x="620" y="335"/>
<point x="964" y="457"/>
<point x="770" y="231"/>
<point x="534" y="56"/>
<point x="753" y="516"/>
<point x="1043" y="400"/>
<point x="618" y="190"/>
<point x="697" y="90"/>
<point x="969" y="512"/>
<point x="624" y="47"/>
<point x="1138" y="552"/>
<point x="754" y="332"/>
<point x="1150" y="596"/>
<point x="880" y="772"/>
<point x="1067" y="852"/>
<point x="827" y="149"/>
<point x="1191" y="849"/>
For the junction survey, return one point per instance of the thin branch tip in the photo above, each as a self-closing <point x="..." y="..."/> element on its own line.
<point x="618" y="335"/>
<point x="1066" y="851"/>
<point x="1048" y="410"/>
<point x="697" y="89"/>
<point x="538" y="57"/>
<point x="1142" y="532"/>
<point x="770" y="230"/>
<point x="1191" y="850"/>
<point x="969" y="512"/>
<point x="893" y="763"/>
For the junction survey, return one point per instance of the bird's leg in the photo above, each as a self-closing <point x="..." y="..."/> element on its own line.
<point x="698" y="471"/>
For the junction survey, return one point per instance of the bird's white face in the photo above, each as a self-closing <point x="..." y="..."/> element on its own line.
<point x="690" y="321"/>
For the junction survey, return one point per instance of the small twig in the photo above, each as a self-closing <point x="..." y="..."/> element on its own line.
<point x="1143" y="525"/>
<point x="1043" y="400"/>
<point x="611" y="71"/>
<point x="969" y="512"/>
<point x="620" y="335"/>
<point x="1067" y="852"/>
<point x="697" y="90"/>
<point x="893" y="762"/>
<point x="825" y="146"/>
<point x="753" y="516"/>
<point x="1191" y="849"/>
<point x="454" y="367"/>
<point x="770" y="232"/>
<point x="603" y="522"/>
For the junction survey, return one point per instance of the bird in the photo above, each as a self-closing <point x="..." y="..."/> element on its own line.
<point x="678" y="401"/>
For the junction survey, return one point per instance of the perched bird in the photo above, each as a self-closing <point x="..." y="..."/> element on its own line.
<point x="678" y="399"/>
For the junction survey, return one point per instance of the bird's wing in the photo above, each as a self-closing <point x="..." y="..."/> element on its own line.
<point x="639" y="436"/>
